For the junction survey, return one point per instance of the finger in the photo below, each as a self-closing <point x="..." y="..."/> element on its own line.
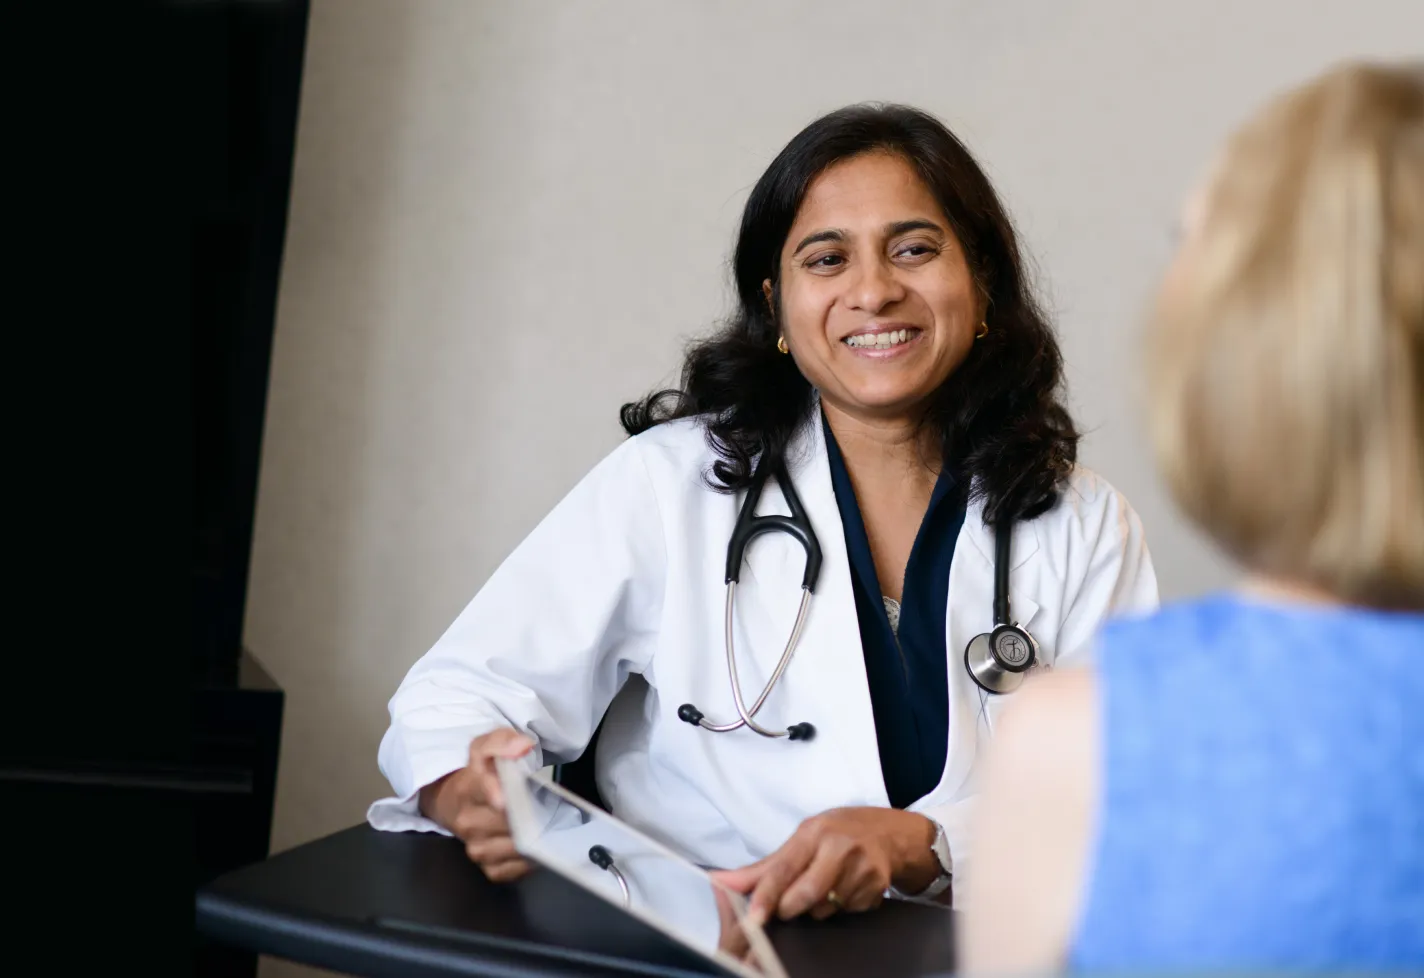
<point x="484" y="780"/>
<point x="731" y="938"/>
<point x="475" y="822"/>
<point x="859" y="888"/>
<point x="784" y="868"/>
<point x="743" y="879"/>
<point x="489" y="790"/>
<point x="866" y="898"/>
<point x="490" y="851"/>
<point x="505" y="743"/>
<point x="810" y="887"/>
<point x="507" y="871"/>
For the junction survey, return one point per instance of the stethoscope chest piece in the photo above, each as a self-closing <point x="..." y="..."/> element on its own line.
<point x="999" y="660"/>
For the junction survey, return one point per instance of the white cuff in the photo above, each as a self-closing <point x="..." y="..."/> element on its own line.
<point x="401" y="813"/>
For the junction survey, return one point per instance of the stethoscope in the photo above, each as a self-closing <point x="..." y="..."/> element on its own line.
<point x="603" y="859"/>
<point x="996" y="660"/>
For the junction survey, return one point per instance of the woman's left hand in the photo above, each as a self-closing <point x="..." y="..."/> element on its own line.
<point x="842" y="859"/>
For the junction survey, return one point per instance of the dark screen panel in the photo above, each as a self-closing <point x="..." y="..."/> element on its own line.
<point x="249" y="78"/>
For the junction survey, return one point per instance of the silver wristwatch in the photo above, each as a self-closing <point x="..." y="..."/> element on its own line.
<point x="940" y="848"/>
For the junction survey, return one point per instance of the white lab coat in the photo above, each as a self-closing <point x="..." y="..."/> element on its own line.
<point x="623" y="581"/>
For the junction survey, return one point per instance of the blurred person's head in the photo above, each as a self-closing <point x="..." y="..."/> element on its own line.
<point x="1287" y="347"/>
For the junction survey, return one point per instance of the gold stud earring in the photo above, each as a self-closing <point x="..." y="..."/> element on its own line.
<point x="781" y="344"/>
<point x="983" y="330"/>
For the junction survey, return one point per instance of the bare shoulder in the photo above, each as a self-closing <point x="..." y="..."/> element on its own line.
<point x="1054" y="696"/>
<point x="1052" y="720"/>
<point x="1033" y="828"/>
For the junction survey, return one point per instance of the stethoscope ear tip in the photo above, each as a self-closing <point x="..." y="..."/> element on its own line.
<point x="801" y="731"/>
<point x="600" y="857"/>
<point x="688" y="713"/>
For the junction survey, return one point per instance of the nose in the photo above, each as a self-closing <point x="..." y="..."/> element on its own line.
<point x="873" y="287"/>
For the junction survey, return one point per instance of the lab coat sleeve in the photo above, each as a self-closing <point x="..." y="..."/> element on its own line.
<point x="545" y="644"/>
<point x="1108" y="572"/>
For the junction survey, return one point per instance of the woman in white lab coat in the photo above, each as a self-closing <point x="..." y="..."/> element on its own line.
<point x="888" y="353"/>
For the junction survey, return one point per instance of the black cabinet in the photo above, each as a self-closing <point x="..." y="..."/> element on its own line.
<point x="237" y="719"/>
<point x="131" y="839"/>
<point x="138" y="741"/>
<point x="117" y="846"/>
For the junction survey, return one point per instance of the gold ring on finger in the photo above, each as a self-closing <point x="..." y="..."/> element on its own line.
<point x="834" y="899"/>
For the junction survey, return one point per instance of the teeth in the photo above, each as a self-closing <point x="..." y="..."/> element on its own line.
<point x="879" y="341"/>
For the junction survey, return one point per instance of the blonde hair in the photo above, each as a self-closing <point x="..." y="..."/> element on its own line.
<point x="1287" y="348"/>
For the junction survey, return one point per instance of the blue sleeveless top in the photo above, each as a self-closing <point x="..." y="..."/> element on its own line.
<point x="1263" y="791"/>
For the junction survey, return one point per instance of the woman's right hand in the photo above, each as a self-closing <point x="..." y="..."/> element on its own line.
<point x="470" y="804"/>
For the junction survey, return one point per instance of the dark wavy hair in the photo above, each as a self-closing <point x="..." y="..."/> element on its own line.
<point x="1004" y="431"/>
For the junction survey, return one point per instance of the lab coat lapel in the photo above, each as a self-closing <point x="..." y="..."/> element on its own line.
<point x="1022" y="608"/>
<point x="969" y="612"/>
<point x="828" y="668"/>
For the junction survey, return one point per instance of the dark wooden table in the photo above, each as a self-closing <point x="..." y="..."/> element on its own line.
<point x="411" y="905"/>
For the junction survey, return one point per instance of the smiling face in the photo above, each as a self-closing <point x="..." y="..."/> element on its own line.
<point x="877" y="302"/>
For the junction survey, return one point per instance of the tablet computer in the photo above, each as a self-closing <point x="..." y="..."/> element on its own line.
<point x="609" y="858"/>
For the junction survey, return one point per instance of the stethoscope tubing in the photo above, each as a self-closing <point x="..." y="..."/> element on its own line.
<point x="745" y="715"/>
<point x="991" y="674"/>
<point x="622" y="884"/>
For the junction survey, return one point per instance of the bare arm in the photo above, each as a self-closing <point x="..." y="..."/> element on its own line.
<point x="1033" y="830"/>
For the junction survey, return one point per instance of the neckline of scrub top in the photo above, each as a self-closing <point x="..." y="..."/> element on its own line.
<point x="906" y="668"/>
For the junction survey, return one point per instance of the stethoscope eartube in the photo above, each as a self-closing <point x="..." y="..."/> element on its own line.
<point x="997" y="660"/>
<point x="603" y="859"/>
<point x="748" y="527"/>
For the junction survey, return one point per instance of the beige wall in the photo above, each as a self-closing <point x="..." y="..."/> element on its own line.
<point x="507" y="217"/>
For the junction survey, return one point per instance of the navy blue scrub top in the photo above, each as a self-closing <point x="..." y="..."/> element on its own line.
<point x="906" y="669"/>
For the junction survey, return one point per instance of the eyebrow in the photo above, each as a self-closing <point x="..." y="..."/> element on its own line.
<point x="891" y="230"/>
<point x="916" y="224"/>
<point x="815" y="237"/>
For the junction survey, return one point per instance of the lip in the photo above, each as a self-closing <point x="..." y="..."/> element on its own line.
<point x="874" y="353"/>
